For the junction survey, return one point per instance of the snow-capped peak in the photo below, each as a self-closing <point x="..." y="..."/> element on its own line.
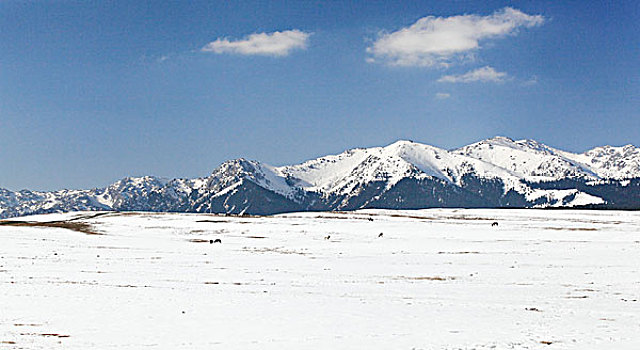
<point x="340" y="174"/>
<point x="234" y="171"/>
<point x="528" y="159"/>
<point x="498" y="171"/>
<point x="610" y="162"/>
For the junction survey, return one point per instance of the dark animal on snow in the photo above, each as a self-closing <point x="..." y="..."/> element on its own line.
<point x="217" y="240"/>
<point x="380" y="235"/>
<point x="495" y="223"/>
<point x="327" y="237"/>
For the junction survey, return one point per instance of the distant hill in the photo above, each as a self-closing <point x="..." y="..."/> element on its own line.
<point x="497" y="172"/>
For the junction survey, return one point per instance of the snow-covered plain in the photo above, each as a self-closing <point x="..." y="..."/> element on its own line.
<point x="436" y="279"/>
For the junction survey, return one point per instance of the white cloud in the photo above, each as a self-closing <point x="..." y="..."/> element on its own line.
<point x="440" y="40"/>
<point x="265" y="44"/>
<point x="485" y="75"/>
<point x="442" y="95"/>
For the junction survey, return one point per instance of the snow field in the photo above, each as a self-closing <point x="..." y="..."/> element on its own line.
<point x="436" y="279"/>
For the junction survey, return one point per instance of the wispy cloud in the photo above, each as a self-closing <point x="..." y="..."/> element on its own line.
<point x="442" y="95"/>
<point x="485" y="75"/>
<point x="438" y="41"/>
<point x="265" y="44"/>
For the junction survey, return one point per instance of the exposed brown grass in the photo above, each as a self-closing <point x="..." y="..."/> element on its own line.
<point x="48" y="335"/>
<point x="55" y="335"/>
<point x="333" y="217"/>
<point x="85" y="271"/>
<point x="92" y="216"/>
<point x="229" y="221"/>
<point x="425" y="278"/>
<point x="279" y="250"/>
<point x="74" y="226"/>
<point x="571" y="228"/>
<point x="130" y="213"/>
<point x="197" y="240"/>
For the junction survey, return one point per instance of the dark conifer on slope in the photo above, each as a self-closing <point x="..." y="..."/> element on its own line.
<point x="497" y="172"/>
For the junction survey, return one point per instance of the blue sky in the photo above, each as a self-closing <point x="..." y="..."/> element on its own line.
<point x="92" y="91"/>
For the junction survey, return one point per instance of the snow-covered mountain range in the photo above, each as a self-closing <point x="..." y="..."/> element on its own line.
<point x="497" y="172"/>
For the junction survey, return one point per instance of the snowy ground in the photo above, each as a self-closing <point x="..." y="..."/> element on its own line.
<point x="436" y="279"/>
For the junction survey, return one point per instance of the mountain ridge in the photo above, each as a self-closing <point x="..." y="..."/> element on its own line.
<point x="495" y="172"/>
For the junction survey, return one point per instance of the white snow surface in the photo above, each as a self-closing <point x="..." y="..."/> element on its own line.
<point x="436" y="279"/>
<point x="563" y="198"/>
<point x="535" y="161"/>
<point x="609" y="162"/>
<point x="339" y="174"/>
<point x="527" y="159"/>
<point x="497" y="158"/>
<point x="345" y="174"/>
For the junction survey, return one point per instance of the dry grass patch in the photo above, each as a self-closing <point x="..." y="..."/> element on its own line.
<point x="197" y="240"/>
<point x="85" y="271"/>
<point x="333" y="217"/>
<point x="74" y="226"/>
<point x="425" y="278"/>
<point x="48" y="335"/>
<point x="572" y="228"/>
<point x="279" y="250"/>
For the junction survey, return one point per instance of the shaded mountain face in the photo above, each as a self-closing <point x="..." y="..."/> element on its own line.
<point x="497" y="172"/>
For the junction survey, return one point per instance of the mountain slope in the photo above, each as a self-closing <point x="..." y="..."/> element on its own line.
<point x="609" y="162"/>
<point x="497" y="172"/>
<point x="526" y="159"/>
